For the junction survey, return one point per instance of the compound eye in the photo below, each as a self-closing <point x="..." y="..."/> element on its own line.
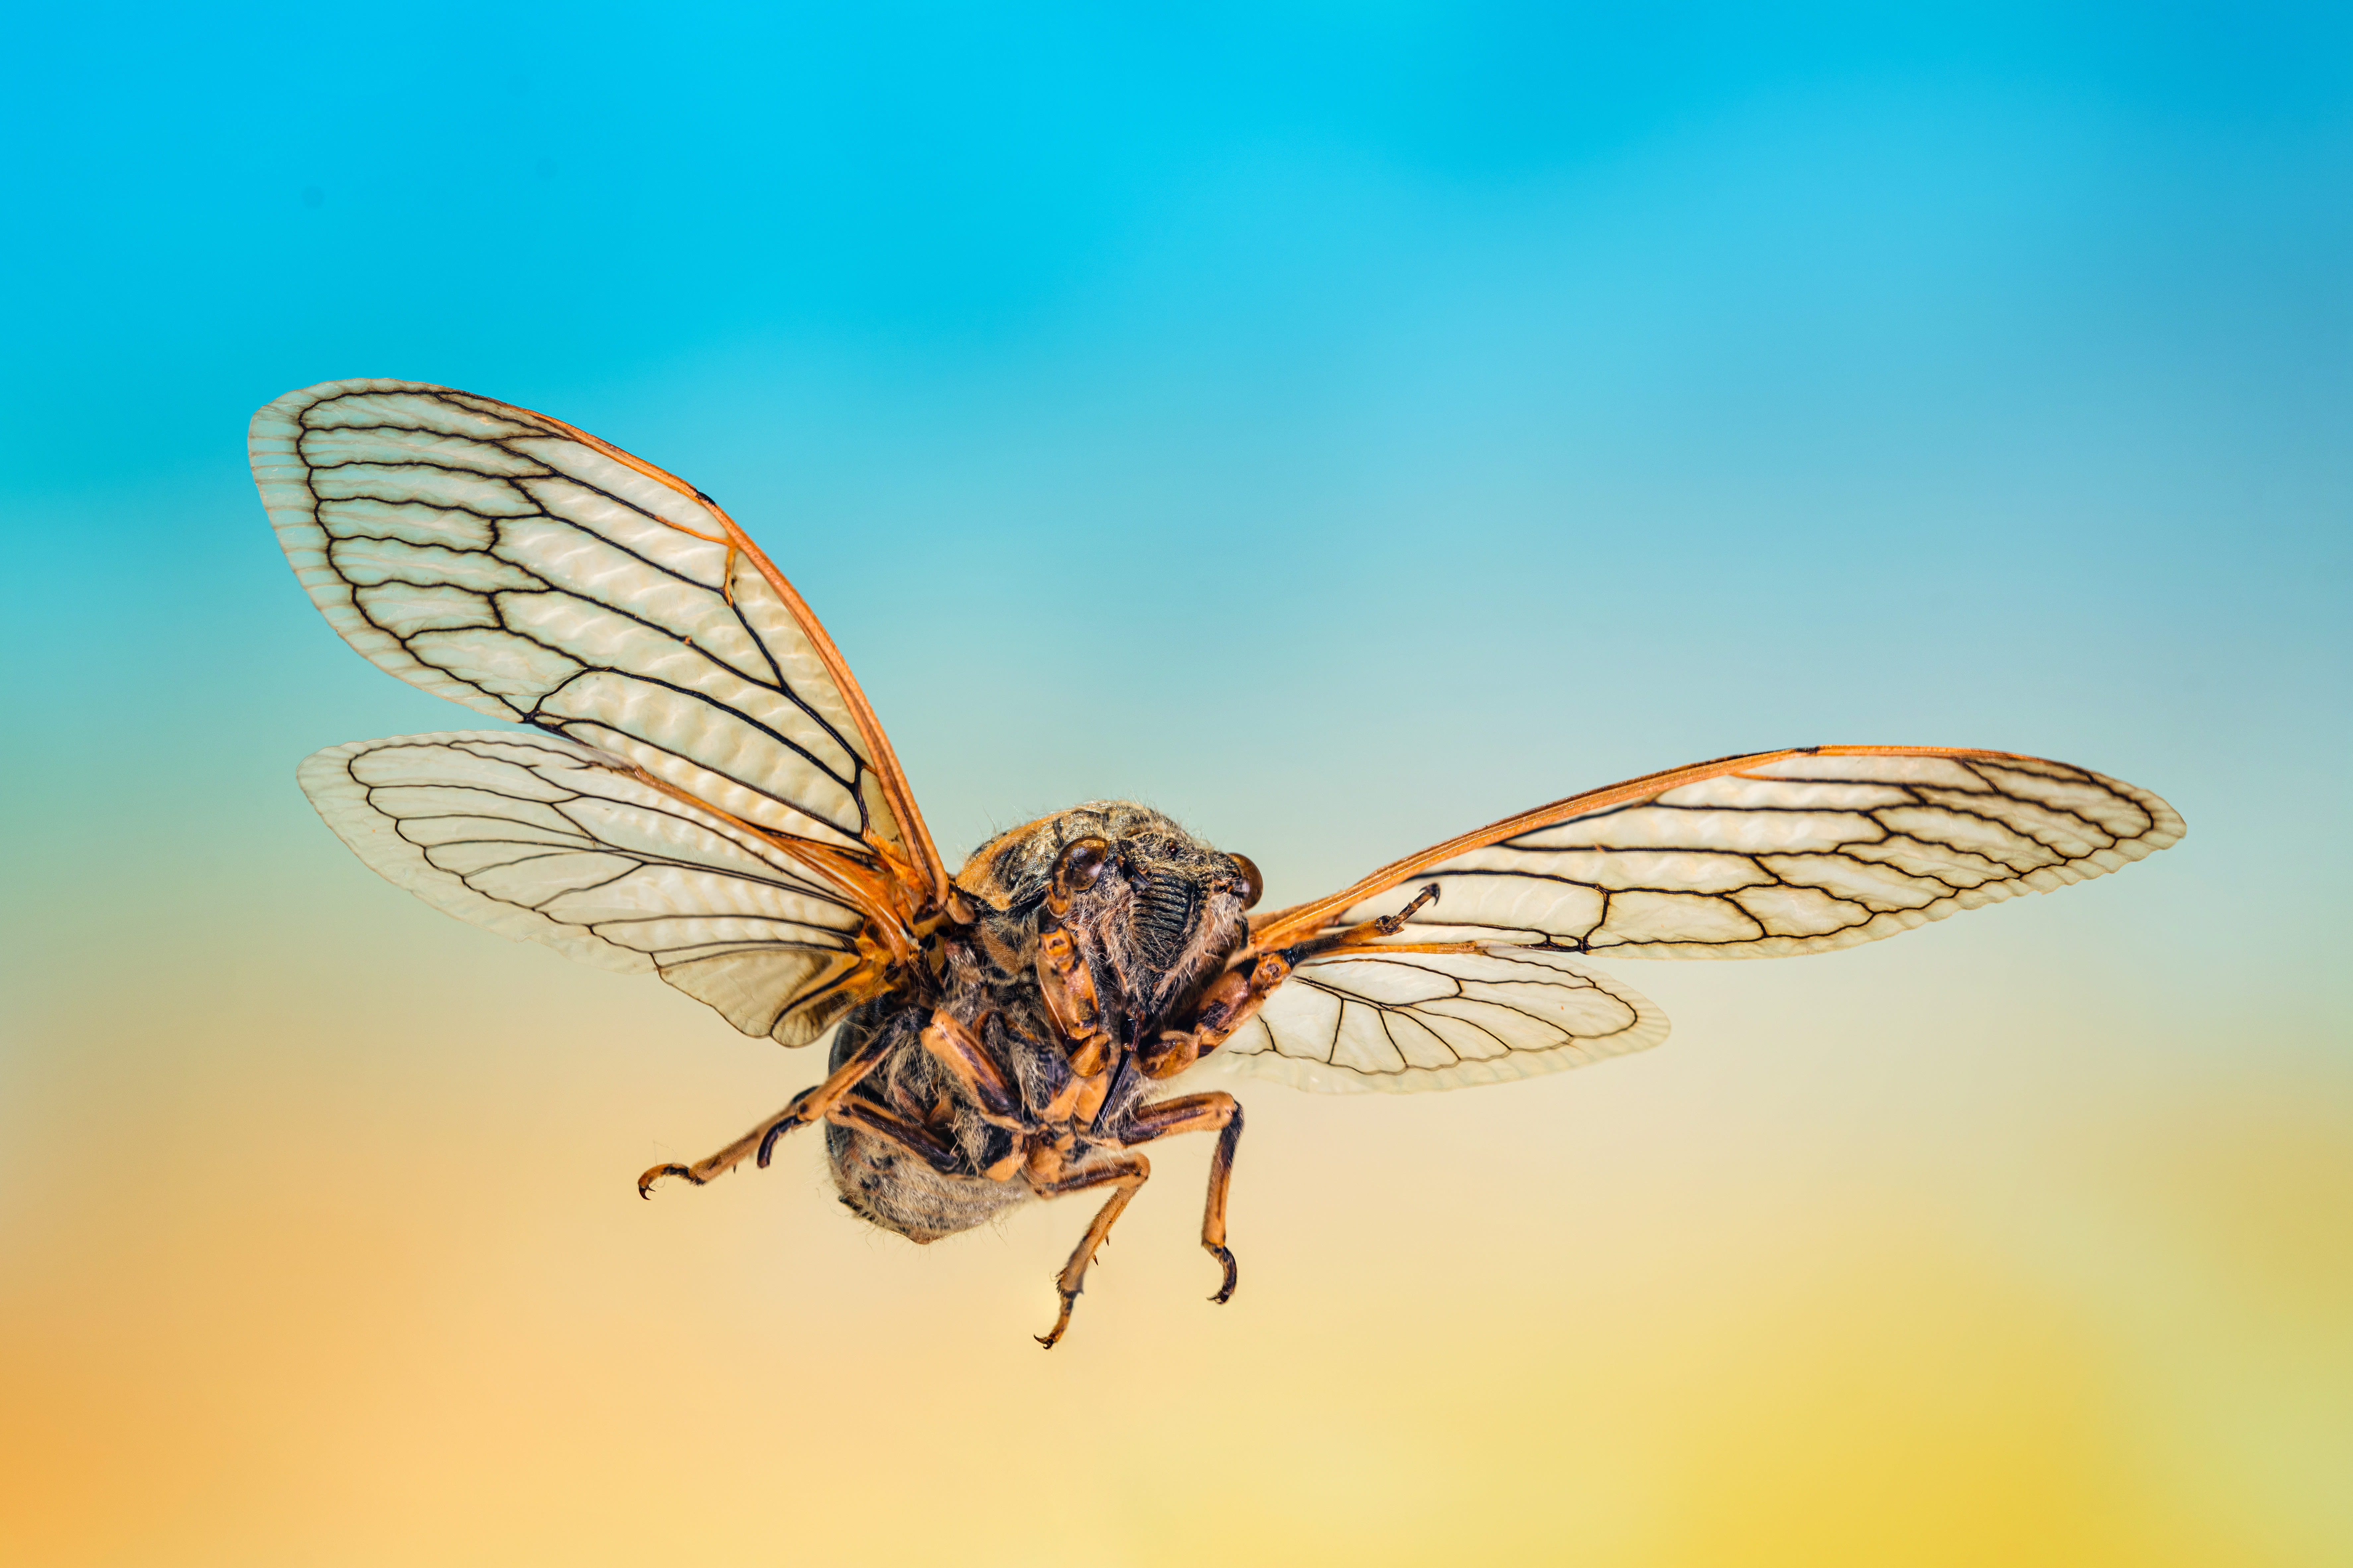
<point x="1249" y="868"/>
<point x="1075" y="870"/>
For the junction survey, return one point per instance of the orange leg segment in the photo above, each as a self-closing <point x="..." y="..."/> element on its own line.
<point x="811" y="1104"/>
<point x="1124" y="1171"/>
<point x="1218" y="1113"/>
<point x="864" y="1115"/>
<point x="955" y="1048"/>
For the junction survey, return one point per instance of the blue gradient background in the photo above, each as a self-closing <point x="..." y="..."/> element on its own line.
<point x="1337" y="425"/>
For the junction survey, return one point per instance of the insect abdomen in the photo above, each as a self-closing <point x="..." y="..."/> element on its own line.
<point x="885" y="1183"/>
<point x="901" y="1194"/>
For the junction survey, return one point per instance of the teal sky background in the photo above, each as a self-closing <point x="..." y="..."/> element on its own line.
<point x="1430" y="409"/>
<point x="1335" y="424"/>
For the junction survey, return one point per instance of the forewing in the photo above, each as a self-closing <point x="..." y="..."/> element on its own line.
<point x="549" y="841"/>
<point x="506" y="560"/>
<point x="1401" y="1020"/>
<point x="1770" y="854"/>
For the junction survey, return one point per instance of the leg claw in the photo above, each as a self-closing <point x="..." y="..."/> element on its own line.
<point x="1047" y="1339"/>
<point x="645" y="1182"/>
<point x="1225" y="1291"/>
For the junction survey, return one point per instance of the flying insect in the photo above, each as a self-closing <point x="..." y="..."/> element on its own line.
<point x="699" y="790"/>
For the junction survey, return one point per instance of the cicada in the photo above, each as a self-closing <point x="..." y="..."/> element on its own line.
<point x="696" y="787"/>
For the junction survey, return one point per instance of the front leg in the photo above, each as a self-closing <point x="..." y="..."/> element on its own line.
<point x="1234" y="1000"/>
<point x="1238" y="993"/>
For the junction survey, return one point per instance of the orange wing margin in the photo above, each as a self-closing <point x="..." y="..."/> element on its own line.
<point x="928" y="878"/>
<point x="1283" y="928"/>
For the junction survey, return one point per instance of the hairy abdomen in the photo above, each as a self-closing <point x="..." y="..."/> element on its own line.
<point x="878" y="1179"/>
<point x="897" y="1192"/>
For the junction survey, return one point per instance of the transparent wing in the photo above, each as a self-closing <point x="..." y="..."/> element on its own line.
<point x="1403" y="1020"/>
<point x="1765" y="856"/>
<point x="549" y="841"/>
<point x="508" y="561"/>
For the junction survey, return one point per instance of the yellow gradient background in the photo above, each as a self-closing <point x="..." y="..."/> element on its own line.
<point x="1337" y="429"/>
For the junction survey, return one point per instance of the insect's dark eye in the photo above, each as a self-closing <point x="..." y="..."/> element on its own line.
<point x="1249" y="868"/>
<point x="1081" y="862"/>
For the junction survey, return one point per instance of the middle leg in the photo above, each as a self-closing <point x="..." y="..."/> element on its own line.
<point x="1127" y="1173"/>
<point x="1218" y="1113"/>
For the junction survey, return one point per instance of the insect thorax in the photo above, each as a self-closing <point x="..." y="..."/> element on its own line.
<point x="1154" y="921"/>
<point x="1157" y="921"/>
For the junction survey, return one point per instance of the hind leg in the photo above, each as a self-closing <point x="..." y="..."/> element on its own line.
<point x="811" y="1104"/>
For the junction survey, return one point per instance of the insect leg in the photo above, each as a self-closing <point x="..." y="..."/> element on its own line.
<point x="811" y="1104"/>
<point x="962" y="1053"/>
<point x="1367" y="931"/>
<point x="1239" y="992"/>
<point x="1124" y="1171"/>
<point x="1218" y="1113"/>
<point x="862" y="1115"/>
<point x="1225" y="1008"/>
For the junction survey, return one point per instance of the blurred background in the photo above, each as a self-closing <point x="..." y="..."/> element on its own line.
<point x="1337" y="425"/>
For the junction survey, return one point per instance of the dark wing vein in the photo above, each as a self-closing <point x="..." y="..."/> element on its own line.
<point x="546" y="840"/>
<point x="484" y="553"/>
<point x="1406" y="1021"/>
<point x="1805" y="853"/>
